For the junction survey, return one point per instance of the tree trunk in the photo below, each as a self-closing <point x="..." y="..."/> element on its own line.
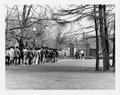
<point x="34" y="43"/>
<point x="21" y="45"/>
<point x="103" y="38"/>
<point x="113" y="62"/>
<point x="106" y="38"/>
<point x="23" y="24"/>
<point x="97" y="39"/>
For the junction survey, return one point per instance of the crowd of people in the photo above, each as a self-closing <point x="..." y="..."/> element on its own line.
<point x="79" y="54"/>
<point x="28" y="56"/>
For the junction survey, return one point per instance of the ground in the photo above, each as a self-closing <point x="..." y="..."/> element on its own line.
<point x="64" y="74"/>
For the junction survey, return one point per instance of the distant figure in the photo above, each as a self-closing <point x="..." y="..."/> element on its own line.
<point x="56" y="54"/>
<point x="25" y="52"/>
<point x="7" y="56"/>
<point x="42" y="55"/>
<point x="11" y="55"/>
<point x="36" y="56"/>
<point x="76" y="54"/>
<point x="82" y="54"/>
<point x="30" y="56"/>
<point x="16" y="56"/>
<point x="53" y="55"/>
<point x="64" y="54"/>
<point x="21" y="57"/>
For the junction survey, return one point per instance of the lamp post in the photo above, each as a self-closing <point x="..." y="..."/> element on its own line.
<point x="34" y="30"/>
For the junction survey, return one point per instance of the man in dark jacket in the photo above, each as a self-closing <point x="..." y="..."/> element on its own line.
<point x="30" y="56"/>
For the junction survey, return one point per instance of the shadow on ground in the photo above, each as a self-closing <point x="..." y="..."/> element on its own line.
<point x="48" y="68"/>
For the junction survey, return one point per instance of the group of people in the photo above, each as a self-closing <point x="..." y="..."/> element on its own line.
<point x="79" y="54"/>
<point x="28" y="56"/>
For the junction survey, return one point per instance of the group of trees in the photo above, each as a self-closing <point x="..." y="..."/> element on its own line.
<point x="20" y="25"/>
<point x="103" y="30"/>
<point x="29" y="25"/>
<point x="102" y="26"/>
<point x="100" y="14"/>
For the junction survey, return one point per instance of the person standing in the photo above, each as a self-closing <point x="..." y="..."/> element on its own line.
<point x="82" y="54"/>
<point x="64" y="54"/>
<point x="30" y="56"/>
<point x="16" y="56"/>
<point x="11" y="55"/>
<point x="7" y="56"/>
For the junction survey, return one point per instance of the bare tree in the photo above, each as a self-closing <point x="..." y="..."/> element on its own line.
<point x="97" y="38"/>
<point x="86" y="11"/>
<point x="24" y="21"/>
<point x="104" y="39"/>
<point x="60" y="35"/>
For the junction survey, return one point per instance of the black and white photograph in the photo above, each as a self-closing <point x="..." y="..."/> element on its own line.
<point x="60" y="46"/>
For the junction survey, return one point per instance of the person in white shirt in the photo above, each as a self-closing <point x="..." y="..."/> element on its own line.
<point x="82" y="54"/>
<point x="11" y="55"/>
<point x="7" y="56"/>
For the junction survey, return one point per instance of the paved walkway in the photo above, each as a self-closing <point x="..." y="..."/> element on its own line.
<point x="64" y="74"/>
